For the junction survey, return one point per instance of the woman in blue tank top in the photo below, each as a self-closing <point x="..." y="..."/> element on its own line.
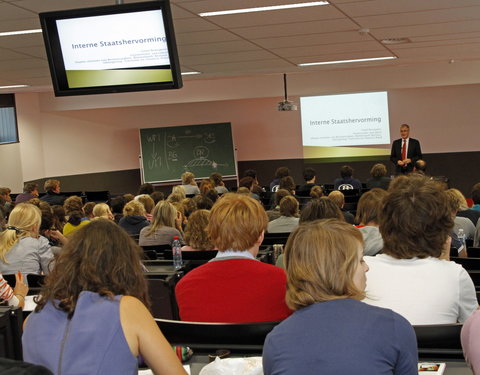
<point x="92" y="316"/>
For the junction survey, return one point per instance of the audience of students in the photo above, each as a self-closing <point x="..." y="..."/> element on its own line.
<point x="411" y="276"/>
<point x="196" y="235"/>
<point x="163" y="227"/>
<point x="234" y="286"/>
<point x="92" y="314"/>
<point x="331" y="330"/>
<point x="288" y="219"/>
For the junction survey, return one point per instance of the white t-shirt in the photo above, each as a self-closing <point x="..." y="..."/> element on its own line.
<point x="424" y="291"/>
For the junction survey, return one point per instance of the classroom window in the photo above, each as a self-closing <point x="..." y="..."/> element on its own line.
<point x="8" y="119"/>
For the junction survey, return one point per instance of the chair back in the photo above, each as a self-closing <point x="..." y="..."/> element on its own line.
<point x="473" y="252"/>
<point x="238" y="337"/>
<point x="161" y="289"/>
<point x="193" y="255"/>
<point x="159" y="249"/>
<point x="439" y="341"/>
<point x="275" y="238"/>
<point x="470" y="264"/>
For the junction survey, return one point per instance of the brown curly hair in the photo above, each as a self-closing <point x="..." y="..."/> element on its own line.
<point x="99" y="257"/>
<point x="196" y="235"/>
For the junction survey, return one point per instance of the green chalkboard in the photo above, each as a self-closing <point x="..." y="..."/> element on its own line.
<point x="200" y="149"/>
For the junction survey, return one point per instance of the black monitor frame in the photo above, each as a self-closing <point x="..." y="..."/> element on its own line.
<point x="55" y="57"/>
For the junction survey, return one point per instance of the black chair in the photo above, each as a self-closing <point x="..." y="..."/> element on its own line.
<point x="34" y="282"/>
<point x="469" y="242"/>
<point x="275" y="238"/>
<point x="205" y="255"/>
<point x="440" y="341"/>
<point x="473" y="252"/>
<point x="11" y="321"/>
<point x="475" y="275"/>
<point x="470" y="264"/>
<point x="159" y="249"/>
<point x="208" y="337"/>
<point x="161" y="289"/>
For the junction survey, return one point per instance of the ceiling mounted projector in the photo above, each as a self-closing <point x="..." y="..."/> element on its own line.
<point x="286" y="105"/>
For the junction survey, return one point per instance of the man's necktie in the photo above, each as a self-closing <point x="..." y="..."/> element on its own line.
<point x="404" y="150"/>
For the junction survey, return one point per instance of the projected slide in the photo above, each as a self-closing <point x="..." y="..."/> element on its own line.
<point x="115" y="49"/>
<point x="345" y="120"/>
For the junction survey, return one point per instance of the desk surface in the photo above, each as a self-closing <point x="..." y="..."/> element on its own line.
<point x="453" y="368"/>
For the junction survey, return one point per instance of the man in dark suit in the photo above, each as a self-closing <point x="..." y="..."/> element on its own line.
<point x="405" y="151"/>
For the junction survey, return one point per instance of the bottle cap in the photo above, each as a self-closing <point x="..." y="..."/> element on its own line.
<point x="176" y="238"/>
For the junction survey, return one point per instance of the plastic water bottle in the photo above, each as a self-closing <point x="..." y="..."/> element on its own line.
<point x="177" y="253"/>
<point x="461" y="237"/>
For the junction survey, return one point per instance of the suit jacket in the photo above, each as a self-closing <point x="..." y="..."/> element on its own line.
<point x="414" y="153"/>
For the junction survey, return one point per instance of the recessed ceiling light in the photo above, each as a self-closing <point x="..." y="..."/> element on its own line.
<point x="263" y="9"/>
<point x="395" y="40"/>
<point x="21" y="32"/>
<point x="348" y="61"/>
<point x="13" y="86"/>
<point x="190" y="73"/>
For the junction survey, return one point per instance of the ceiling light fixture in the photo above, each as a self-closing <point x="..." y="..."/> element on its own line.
<point x="190" y="73"/>
<point x="263" y="9"/>
<point x="21" y="32"/>
<point x="13" y="87"/>
<point x="348" y="61"/>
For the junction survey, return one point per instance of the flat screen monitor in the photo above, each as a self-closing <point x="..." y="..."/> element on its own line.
<point x="109" y="49"/>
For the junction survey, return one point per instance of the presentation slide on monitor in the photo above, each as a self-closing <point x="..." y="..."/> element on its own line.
<point x="96" y="49"/>
<point x="345" y="120"/>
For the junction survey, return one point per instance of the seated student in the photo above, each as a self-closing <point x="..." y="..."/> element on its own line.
<point x="53" y="196"/>
<point x="346" y="180"/>
<point x="463" y="210"/>
<point x="248" y="182"/>
<point x="410" y="277"/>
<point x="471" y="341"/>
<point x="379" y="177"/>
<point x="30" y="191"/>
<point x="256" y="189"/>
<point x="133" y="220"/>
<point x="92" y="314"/>
<point x="218" y="183"/>
<point x="189" y="184"/>
<point x="21" y="246"/>
<point x="234" y="287"/>
<point x="460" y="222"/>
<point x="368" y="211"/>
<point x="117" y="204"/>
<point x="148" y="203"/>
<point x="274" y="213"/>
<point x="331" y="331"/>
<point x="279" y="174"/>
<point x="88" y="210"/>
<point x="476" y="196"/>
<point x="102" y="211"/>
<point x="196" y="236"/>
<point x="309" y="175"/>
<point x="339" y="199"/>
<point x="321" y="208"/>
<point x="163" y="227"/>
<point x="288" y="220"/>
<point x="76" y="217"/>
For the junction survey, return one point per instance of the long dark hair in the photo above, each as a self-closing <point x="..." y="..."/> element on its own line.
<point x="99" y="257"/>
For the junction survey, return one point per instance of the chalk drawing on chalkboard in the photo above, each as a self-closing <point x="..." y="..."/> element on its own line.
<point x="156" y="160"/>
<point x="201" y="159"/>
<point x="172" y="141"/>
<point x="209" y="138"/>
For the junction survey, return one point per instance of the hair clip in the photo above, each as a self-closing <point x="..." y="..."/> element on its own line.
<point x="11" y="227"/>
